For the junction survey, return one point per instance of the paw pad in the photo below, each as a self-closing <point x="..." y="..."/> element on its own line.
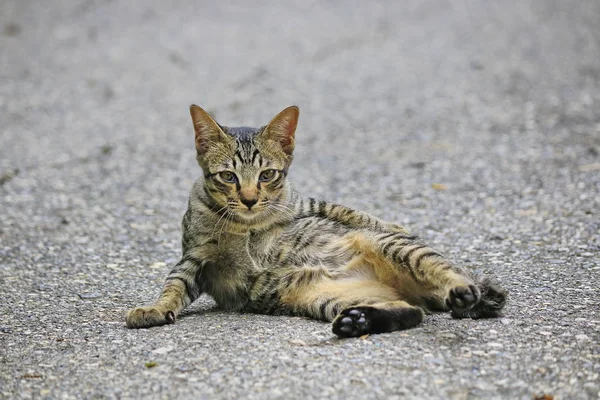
<point x="351" y="323"/>
<point x="463" y="298"/>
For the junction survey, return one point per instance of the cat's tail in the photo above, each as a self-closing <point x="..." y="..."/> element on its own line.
<point x="493" y="299"/>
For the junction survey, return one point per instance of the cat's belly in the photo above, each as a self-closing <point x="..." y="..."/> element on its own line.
<point x="332" y="253"/>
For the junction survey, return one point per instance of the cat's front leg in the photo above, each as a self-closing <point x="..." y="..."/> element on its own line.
<point x="181" y="288"/>
<point x="163" y="311"/>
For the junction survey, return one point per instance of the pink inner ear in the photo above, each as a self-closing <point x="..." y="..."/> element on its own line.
<point x="206" y="134"/>
<point x="285" y="128"/>
<point x="284" y="132"/>
<point x="207" y="131"/>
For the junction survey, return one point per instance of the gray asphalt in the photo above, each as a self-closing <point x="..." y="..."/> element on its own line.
<point x="476" y="124"/>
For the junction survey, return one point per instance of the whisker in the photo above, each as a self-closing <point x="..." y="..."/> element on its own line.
<point x="227" y="220"/>
<point x="281" y="208"/>
<point x="217" y="223"/>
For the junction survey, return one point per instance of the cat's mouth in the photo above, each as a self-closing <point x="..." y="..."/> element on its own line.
<point x="250" y="215"/>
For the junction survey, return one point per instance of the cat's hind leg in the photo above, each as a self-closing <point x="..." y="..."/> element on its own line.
<point x="462" y="293"/>
<point x="423" y="276"/>
<point x="491" y="301"/>
<point x="356" y="303"/>
<point x="376" y="318"/>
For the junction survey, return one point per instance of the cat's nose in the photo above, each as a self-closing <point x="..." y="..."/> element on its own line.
<point x="249" y="202"/>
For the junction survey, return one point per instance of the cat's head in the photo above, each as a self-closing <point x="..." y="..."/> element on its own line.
<point x="245" y="168"/>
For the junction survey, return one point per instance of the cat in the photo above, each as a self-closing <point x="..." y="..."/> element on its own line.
<point x="253" y="244"/>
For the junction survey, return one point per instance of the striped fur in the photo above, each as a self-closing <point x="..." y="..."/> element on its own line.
<point x="254" y="245"/>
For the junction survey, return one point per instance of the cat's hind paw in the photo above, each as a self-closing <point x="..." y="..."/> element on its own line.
<point x="351" y="323"/>
<point x="491" y="301"/>
<point x="358" y="321"/>
<point x="146" y="317"/>
<point x="462" y="298"/>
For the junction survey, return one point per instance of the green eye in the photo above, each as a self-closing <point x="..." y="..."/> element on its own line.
<point x="227" y="176"/>
<point x="267" y="175"/>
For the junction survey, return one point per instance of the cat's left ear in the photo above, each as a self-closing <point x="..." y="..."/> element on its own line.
<point x="207" y="130"/>
<point x="283" y="127"/>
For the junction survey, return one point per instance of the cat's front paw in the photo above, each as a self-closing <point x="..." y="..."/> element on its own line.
<point x="462" y="298"/>
<point x="146" y="317"/>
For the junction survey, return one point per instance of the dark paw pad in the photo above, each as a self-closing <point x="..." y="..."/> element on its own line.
<point x="491" y="303"/>
<point x="462" y="298"/>
<point x="352" y="322"/>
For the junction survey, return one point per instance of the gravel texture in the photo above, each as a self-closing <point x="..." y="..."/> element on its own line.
<point x="477" y="124"/>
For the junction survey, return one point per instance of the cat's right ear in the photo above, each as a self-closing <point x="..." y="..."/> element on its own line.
<point x="207" y="130"/>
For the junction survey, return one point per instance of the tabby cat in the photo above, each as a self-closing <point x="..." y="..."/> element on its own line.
<point x="254" y="245"/>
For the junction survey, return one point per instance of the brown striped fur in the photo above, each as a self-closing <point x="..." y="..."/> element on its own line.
<point x="254" y="245"/>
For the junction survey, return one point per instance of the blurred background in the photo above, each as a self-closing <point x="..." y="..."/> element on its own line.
<point x="394" y="98"/>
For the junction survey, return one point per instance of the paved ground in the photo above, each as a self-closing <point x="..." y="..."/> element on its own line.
<point x="475" y="123"/>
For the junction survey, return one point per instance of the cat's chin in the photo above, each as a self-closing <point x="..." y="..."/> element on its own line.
<point x="248" y="215"/>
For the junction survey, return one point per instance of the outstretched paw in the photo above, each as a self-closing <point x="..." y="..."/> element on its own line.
<point x="462" y="298"/>
<point x="145" y="317"/>
<point x="352" y="322"/>
<point x="358" y="321"/>
<point x="491" y="301"/>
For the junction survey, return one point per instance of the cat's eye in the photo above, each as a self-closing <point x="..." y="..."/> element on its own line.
<point x="227" y="176"/>
<point x="267" y="175"/>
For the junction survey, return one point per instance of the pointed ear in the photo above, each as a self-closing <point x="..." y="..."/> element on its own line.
<point x="207" y="130"/>
<point x="283" y="127"/>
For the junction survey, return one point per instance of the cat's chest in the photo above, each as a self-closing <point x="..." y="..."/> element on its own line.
<point x="232" y="252"/>
<point x="261" y="245"/>
<point x="226" y="277"/>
